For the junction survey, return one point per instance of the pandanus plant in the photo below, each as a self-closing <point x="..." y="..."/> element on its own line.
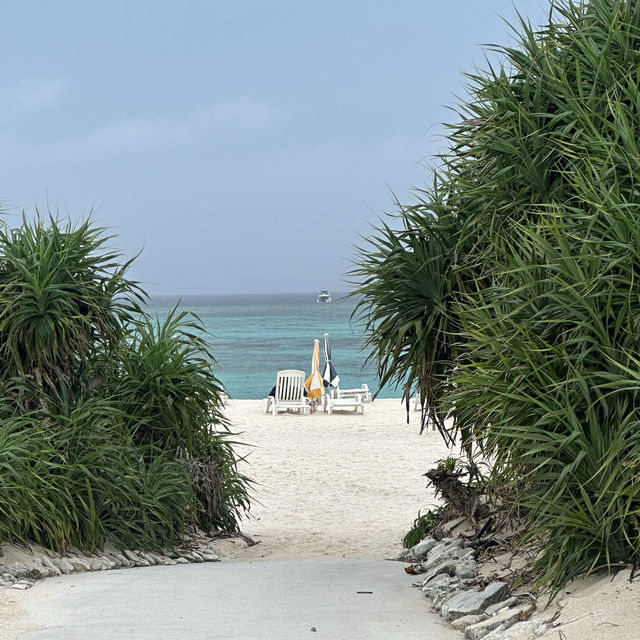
<point x="406" y="285"/>
<point x="541" y="180"/>
<point x="111" y="422"/>
<point x="65" y="300"/>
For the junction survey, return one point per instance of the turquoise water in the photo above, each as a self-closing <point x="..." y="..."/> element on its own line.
<point x="254" y="336"/>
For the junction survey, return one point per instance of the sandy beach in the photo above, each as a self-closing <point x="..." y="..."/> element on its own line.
<point x="341" y="485"/>
<point x="349" y="486"/>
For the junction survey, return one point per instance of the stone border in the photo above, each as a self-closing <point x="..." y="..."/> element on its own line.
<point x="491" y="612"/>
<point x="36" y="563"/>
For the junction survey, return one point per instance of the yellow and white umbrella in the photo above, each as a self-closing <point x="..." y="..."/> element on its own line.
<point x="314" y="383"/>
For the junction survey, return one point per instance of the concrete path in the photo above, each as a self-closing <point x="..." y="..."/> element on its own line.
<point x="290" y="600"/>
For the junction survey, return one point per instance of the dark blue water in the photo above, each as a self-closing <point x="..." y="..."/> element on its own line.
<point x="254" y="336"/>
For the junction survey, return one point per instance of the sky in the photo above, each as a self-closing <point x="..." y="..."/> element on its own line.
<point x="238" y="147"/>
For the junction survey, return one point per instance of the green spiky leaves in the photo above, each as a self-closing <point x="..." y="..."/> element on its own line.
<point x="111" y="424"/>
<point x="540" y="189"/>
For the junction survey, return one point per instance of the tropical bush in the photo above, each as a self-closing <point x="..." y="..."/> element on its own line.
<point x="540" y="187"/>
<point x="421" y="527"/>
<point x="406" y="289"/>
<point x="111" y="423"/>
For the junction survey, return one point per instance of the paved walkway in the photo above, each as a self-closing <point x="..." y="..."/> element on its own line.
<point x="290" y="600"/>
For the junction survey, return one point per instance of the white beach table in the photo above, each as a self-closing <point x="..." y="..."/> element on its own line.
<point x="346" y="399"/>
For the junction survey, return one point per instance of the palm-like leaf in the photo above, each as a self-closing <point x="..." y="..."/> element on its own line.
<point x="104" y="412"/>
<point x="405" y="286"/>
<point x="542" y="182"/>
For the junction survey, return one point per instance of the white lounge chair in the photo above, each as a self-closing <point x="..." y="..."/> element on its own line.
<point x="289" y="394"/>
<point x="349" y="393"/>
<point x="334" y="401"/>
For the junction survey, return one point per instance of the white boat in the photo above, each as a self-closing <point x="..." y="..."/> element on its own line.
<point x="324" y="296"/>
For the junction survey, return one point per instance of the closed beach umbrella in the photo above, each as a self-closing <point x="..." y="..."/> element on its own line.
<point x="314" y="381"/>
<point x="331" y="376"/>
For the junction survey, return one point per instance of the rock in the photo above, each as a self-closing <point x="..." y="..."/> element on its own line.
<point x="18" y="570"/>
<point x="181" y="560"/>
<point x="22" y="584"/>
<point x="450" y="545"/>
<point x="195" y="556"/>
<point x="21" y="571"/>
<point x="64" y="565"/>
<point x="439" y="587"/>
<point x="79" y="565"/>
<point x="420" y="550"/>
<point x="148" y="557"/>
<point x="110" y="563"/>
<point x="156" y="558"/>
<point x="118" y="562"/>
<point x="466" y="568"/>
<point x="446" y="566"/>
<point x="143" y="561"/>
<point x="461" y="624"/>
<point x="38" y="573"/>
<point x="444" y="550"/>
<point x="494" y="608"/>
<point x="53" y="570"/>
<point x="519" y="631"/>
<point x="8" y="577"/>
<point x="502" y="620"/>
<point x="131" y="556"/>
<point x="437" y="550"/>
<point x="473" y="602"/>
<point x="135" y="558"/>
<point x="443" y="553"/>
<point x="441" y="582"/>
<point x="95" y="564"/>
<point x="120" y="559"/>
<point x="168" y="561"/>
<point x="441" y="598"/>
<point x="210" y="556"/>
<point x="468" y="554"/>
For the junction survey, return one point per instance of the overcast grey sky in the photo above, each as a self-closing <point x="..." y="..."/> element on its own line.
<point x="243" y="146"/>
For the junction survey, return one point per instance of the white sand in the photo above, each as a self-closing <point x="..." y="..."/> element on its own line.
<point x="348" y="485"/>
<point x="341" y="485"/>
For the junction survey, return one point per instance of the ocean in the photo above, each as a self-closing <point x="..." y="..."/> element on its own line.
<point x="252" y="337"/>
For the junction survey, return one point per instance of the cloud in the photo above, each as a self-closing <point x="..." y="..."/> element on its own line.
<point x="144" y="133"/>
<point x="32" y="94"/>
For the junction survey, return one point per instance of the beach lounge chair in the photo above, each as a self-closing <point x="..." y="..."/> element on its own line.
<point x="350" y="393"/>
<point x="333" y="401"/>
<point x="289" y="395"/>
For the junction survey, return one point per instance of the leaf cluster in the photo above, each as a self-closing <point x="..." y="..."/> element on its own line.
<point x="105" y="412"/>
<point x="540" y="189"/>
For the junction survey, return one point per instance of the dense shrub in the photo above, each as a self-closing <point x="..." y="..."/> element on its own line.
<point x="540" y="189"/>
<point x="104" y="412"/>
